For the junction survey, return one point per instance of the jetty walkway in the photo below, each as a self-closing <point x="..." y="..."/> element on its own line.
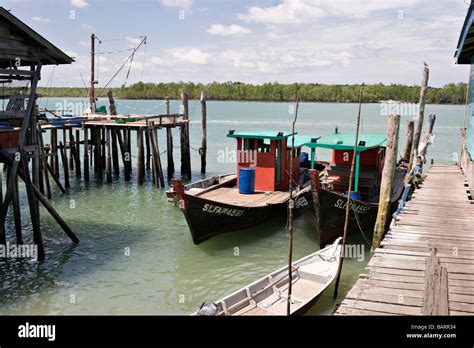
<point x="426" y="264"/>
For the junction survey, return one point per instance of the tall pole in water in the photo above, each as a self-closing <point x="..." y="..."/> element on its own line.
<point x="92" y="82"/>
<point x="290" y="212"/>
<point x="349" y="191"/>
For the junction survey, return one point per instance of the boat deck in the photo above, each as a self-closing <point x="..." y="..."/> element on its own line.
<point x="231" y="195"/>
<point x="426" y="265"/>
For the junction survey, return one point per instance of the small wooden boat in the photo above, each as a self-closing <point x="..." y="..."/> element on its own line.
<point x="222" y="207"/>
<point x="269" y="295"/>
<point x="201" y="185"/>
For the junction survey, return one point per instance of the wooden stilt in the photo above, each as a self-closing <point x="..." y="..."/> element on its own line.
<point x="62" y="149"/>
<point x="77" y="154"/>
<point x="66" y="157"/>
<point x="54" y="151"/>
<point x="86" y="155"/>
<point x="185" y="148"/>
<point x="383" y="213"/>
<point x="55" y="178"/>
<point x="203" y="149"/>
<point x="16" y="211"/>
<point x="148" y="152"/>
<point x="140" y="156"/>
<point x="115" y="159"/>
<point x="44" y="162"/>
<point x="157" y="168"/>
<point x="108" y="160"/>
<point x="72" y="148"/>
<point x="169" y="143"/>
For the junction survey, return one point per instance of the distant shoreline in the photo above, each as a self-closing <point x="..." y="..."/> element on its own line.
<point x="450" y="94"/>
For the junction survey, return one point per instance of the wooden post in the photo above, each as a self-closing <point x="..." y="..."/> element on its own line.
<point x="408" y="142"/>
<point x="54" y="151"/>
<point x="203" y="149"/>
<point x="315" y="192"/>
<point x="126" y="154"/>
<point x="139" y="156"/>
<point x="44" y="162"/>
<point x="383" y="213"/>
<point x="427" y="138"/>
<point x="92" y="82"/>
<point x="77" y="154"/>
<point x="16" y="210"/>
<point x="115" y="159"/>
<point x="349" y="192"/>
<point x="86" y="154"/>
<point x="157" y="168"/>
<point x="169" y="143"/>
<point x="148" y="150"/>
<point x="108" y="159"/>
<point x="421" y="113"/>
<point x="72" y="148"/>
<point x="66" y="157"/>
<point x="185" y="149"/>
<point x="112" y="108"/>
<point x="62" y="149"/>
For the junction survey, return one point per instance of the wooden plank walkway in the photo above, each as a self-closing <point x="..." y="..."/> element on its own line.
<point x="439" y="216"/>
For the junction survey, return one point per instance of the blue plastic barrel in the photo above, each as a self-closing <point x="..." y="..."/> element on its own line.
<point x="355" y="196"/>
<point x="304" y="157"/>
<point x="247" y="181"/>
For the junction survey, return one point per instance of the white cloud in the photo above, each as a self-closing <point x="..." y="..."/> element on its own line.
<point x="193" y="56"/>
<point x="88" y="27"/>
<point x="289" y="11"/>
<point x="133" y="41"/>
<point x="155" y="60"/>
<point x="79" y="3"/>
<point x="42" y="19"/>
<point x="177" y="3"/>
<point x="231" y="30"/>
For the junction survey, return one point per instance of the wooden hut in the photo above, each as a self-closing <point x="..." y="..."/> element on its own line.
<point x="22" y="54"/>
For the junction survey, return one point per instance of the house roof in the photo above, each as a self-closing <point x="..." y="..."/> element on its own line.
<point x="260" y="134"/>
<point x="18" y="40"/>
<point x="302" y="140"/>
<point x="346" y="141"/>
<point x="465" y="48"/>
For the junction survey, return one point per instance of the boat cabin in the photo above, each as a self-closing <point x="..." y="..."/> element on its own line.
<point x="269" y="152"/>
<point x="369" y="161"/>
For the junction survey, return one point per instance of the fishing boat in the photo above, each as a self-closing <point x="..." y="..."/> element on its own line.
<point x="334" y="183"/>
<point x="240" y="202"/>
<point x="311" y="275"/>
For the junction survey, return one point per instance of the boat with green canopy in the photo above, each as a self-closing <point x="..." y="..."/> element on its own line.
<point x="334" y="182"/>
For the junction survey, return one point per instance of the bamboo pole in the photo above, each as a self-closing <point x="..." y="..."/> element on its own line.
<point x="421" y="113"/>
<point x="203" y="149"/>
<point x="290" y="214"/>
<point x="349" y="192"/>
<point x="408" y="141"/>
<point x="383" y="213"/>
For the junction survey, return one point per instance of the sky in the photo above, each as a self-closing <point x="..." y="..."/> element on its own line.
<point x="286" y="41"/>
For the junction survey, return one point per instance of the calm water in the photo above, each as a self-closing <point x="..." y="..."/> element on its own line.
<point x="165" y="273"/>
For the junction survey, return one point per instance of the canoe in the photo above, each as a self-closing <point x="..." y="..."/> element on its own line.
<point x="200" y="185"/>
<point x="311" y="275"/>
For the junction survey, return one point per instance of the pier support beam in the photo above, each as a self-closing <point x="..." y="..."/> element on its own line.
<point x="169" y="143"/>
<point x="383" y="214"/>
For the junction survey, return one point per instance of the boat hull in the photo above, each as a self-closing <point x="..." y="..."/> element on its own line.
<point x="333" y="213"/>
<point x="207" y="218"/>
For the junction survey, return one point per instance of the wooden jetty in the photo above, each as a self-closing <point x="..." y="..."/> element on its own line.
<point x="425" y="265"/>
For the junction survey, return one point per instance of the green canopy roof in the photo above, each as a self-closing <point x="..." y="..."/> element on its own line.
<point x="346" y="141"/>
<point x="301" y="140"/>
<point x="253" y="134"/>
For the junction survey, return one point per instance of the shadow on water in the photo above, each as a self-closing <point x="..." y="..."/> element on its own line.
<point x="102" y="244"/>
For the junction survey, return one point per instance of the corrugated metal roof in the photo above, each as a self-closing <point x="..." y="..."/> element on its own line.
<point x="346" y="141"/>
<point x="260" y="134"/>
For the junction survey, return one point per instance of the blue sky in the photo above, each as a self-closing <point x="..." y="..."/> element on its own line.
<point x="331" y="41"/>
